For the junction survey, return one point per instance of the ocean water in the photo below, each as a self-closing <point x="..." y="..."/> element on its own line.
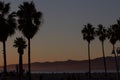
<point x="94" y="71"/>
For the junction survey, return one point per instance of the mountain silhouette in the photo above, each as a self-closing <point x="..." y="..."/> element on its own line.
<point x="70" y="65"/>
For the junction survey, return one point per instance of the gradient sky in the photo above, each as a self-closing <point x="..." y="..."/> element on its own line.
<point x="60" y="36"/>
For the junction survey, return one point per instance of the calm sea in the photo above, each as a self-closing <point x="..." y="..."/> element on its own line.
<point x="94" y="71"/>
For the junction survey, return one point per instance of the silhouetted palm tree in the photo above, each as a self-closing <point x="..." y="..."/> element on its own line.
<point x="20" y="43"/>
<point x="118" y="30"/>
<point x="112" y="35"/>
<point x="88" y="35"/>
<point x="29" y="23"/>
<point x="118" y="34"/>
<point x="102" y="34"/>
<point x="7" y="27"/>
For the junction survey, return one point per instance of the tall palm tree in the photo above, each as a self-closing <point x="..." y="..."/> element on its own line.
<point x="29" y="20"/>
<point x="7" y="27"/>
<point x="118" y="34"/>
<point x="20" y="43"/>
<point x="88" y="35"/>
<point x="113" y="38"/>
<point x="102" y="34"/>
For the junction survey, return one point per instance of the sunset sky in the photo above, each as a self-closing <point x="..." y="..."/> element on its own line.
<point x="59" y="37"/>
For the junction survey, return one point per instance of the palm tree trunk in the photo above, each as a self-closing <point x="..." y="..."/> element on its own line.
<point x="20" y="66"/>
<point x="117" y="67"/>
<point x="89" y="60"/>
<point x="4" y="56"/>
<point x="117" y="55"/>
<point x="29" y="61"/>
<point x="104" y="59"/>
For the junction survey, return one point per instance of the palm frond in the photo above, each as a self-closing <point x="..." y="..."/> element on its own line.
<point x="101" y="32"/>
<point x="113" y="33"/>
<point x="20" y="43"/>
<point x="88" y="32"/>
<point x="29" y="19"/>
<point x="6" y="8"/>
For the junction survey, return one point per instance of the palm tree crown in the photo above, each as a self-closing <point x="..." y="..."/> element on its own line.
<point x="88" y="32"/>
<point x="4" y="8"/>
<point x="7" y="22"/>
<point x="112" y="33"/>
<point x="20" y="43"/>
<point x="29" y="19"/>
<point x="101" y="32"/>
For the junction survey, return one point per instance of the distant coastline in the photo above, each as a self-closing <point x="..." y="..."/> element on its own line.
<point x="70" y="66"/>
<point x="95" y="71"/>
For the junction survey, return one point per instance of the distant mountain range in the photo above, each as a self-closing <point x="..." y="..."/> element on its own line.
<point x="70" y="65"/>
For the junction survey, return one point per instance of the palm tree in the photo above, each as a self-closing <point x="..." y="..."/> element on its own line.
<point x="118" y="30"/>
<point x="20" y="43"/>
<point x="102" y="34"/>
<point x="7" y="27"/>
<point x="88" y="35"/>
<point x="118" y="34"/>
<point x="29" y="20"/>
<point x="113" y="38"/>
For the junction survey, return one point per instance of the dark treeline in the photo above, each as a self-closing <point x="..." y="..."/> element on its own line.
<point x="111" y="33"/>
<point x="27" y="20"/>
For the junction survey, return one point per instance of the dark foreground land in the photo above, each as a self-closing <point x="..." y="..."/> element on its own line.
<point x="64" y="76"/>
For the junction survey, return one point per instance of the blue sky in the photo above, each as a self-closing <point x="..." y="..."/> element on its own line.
<point x="60" y="36"/>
